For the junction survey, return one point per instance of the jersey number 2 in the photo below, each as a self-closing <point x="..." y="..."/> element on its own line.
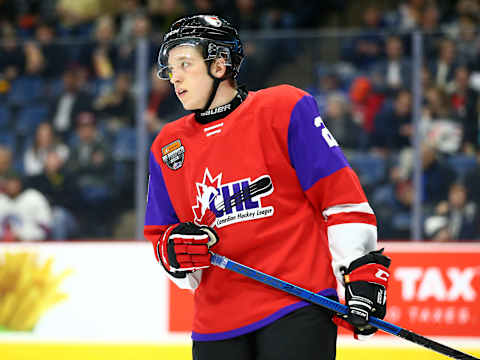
<point x="327" y="135"/>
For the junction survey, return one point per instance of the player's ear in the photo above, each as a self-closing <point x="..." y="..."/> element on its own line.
<point x="219" y="68"/>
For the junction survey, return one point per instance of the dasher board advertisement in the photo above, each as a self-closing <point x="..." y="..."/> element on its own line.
<point x="82" y="291"/>
<point x="116" y="291"/>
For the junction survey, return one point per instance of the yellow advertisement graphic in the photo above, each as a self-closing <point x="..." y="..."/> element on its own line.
<point x="28" y="288"/>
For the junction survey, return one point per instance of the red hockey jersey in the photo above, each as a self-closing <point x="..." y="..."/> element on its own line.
<point x="275" y="133"/>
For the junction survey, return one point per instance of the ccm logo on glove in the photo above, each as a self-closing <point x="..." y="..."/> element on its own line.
<point x="382" y="274"/>
<point x="366" y="283"/>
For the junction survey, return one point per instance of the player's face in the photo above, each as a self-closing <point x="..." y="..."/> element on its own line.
<point x="188" y="74"/>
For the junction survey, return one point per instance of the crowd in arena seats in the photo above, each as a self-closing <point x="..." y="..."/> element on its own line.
<point x="67" y="104"/>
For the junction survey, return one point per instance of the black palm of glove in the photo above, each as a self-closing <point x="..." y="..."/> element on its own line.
<point x="366" y="281"/>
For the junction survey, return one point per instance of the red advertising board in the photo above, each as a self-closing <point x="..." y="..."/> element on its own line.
<point x="434" y="290"/>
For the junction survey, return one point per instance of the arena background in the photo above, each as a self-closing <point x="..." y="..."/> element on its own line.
<point x="397" y="84"/>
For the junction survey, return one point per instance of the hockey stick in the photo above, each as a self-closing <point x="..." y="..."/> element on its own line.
<point x="226" y="263"/>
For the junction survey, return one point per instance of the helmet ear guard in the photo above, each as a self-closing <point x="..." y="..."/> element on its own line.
<point x="215" y="51"/>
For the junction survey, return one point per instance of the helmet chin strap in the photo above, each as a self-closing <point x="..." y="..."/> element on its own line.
<point x="213" y="91"/>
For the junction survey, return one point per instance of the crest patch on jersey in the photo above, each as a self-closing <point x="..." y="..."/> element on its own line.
<point x="173" y="155"/>
<point x="232" y="202"/>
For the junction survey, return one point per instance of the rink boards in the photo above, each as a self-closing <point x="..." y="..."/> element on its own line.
<point x="116" y="303"/>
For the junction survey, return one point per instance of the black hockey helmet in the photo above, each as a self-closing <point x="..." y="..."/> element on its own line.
<point x="215" y="36"/>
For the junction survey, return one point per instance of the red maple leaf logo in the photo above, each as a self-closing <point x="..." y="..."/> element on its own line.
<point x="207" y="191"/>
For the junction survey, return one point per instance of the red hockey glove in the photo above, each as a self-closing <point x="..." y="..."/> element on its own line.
<point x="366" y="281"/>
<point x="183" y="248"/>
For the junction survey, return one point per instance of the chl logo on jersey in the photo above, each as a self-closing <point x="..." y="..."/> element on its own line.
<point x="173" y="155"/>
<point x="221" y="200"/>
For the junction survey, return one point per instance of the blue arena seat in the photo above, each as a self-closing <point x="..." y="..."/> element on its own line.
<point x="125" y="145"/>
<point x="8" y="139"/>
<point x="28" y="119"/>
<point x="25" y="90"/>
<point x="462" y="164"/>
<point x="4" y="117"/>
<point x="370" y="168"/>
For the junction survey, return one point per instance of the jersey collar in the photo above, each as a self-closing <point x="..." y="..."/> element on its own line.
<point x="207" y="116"/>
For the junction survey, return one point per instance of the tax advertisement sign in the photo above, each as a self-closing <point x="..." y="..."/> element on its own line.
<point x="435" y="290"/>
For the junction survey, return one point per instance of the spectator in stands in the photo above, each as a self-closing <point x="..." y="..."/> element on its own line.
<point x="163" y="12"/>
<point x="76" y="18"/>
<point x="467" y="41"/>
<point x="436" y="228"/>
<point x="56" y="55"/>
<point x="244" y="15"/>
<point x="393" y="201"/>
<point x="392" y="125"/>
<point x="306" y="12"/>
<point x="472" y="179"/>
<point x="366" y="103"/>
<point x="101" y="57"/>
<point x="365" y="49"/>
<point x="34" y="60"/>
<point x="162" y="105"/>
<point x="464" y="101"/>
<point x="5" y="165"/>
<point x="73" y="100"/>
<point x="12" y="56"/>
<point x="430" y="26"/>
<point x="393" y="206"/>
<point x="438" y="123"/>
<point x="58" y="186"/>
<point x="327" y="82"/>
<point x="127" y="50"/>
<point x="340" y="123"/>
<point x="437" y="104"/>
<point x="460" y="217"/>
<point x="278" y="15"/>
<point x="437" y="175"/>
<point x="462" y="8"/>
<point x="393" y="73"/>
<point x="443" y="67"/>
<point x="25" y="214"/>
<point x="407" y="16"/>
<point x="125" y="18"/>
<point x="44" y="142"/>
<point x="116" y="108"/>
<point x="427" y="80"/>
<point x="91" y="166"/>
<point x="201" y="7"/>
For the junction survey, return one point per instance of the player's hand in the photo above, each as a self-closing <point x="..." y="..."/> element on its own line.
<point x="366" y="282"/>
<point x="183" y="248"/>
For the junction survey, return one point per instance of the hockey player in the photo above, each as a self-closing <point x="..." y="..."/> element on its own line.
<point x="313" y="223"/>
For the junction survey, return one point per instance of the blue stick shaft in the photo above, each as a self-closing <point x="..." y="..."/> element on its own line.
<point x="226" y="263"/>
<point x="330" y="304"/>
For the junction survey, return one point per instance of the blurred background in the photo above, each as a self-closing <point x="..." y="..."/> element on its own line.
<point x="397" y="83"/>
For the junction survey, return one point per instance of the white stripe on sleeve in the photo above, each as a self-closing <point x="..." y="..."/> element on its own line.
<point x="346" y="208"/>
